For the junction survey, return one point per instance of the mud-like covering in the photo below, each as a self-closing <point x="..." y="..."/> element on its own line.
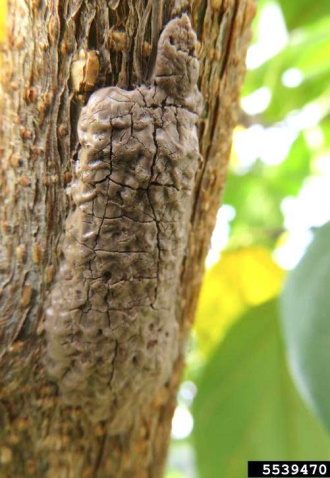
<point x="111" y="322"/>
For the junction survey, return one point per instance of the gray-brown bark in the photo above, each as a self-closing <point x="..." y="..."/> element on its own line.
<point x="58" y="52"/>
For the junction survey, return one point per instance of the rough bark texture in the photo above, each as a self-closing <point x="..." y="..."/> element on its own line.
<point x="58" y="52"/>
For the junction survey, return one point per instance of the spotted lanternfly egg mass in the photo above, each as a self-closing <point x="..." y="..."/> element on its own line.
<point x="111" y="324"/>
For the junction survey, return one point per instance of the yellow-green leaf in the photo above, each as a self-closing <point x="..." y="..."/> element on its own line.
<point x="243" y="278"/>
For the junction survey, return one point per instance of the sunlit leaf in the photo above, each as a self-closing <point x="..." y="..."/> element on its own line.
<point x="287" y="178"/>
<point x="247" y="407"/>
<point x="257" y="194"/>
<point x="255" y="23"/>
<point x="308" y="52"/>
<point x="303" y="12"/>
<point x="306" y="322"/>
<point x="314" y="88"/>
<point x="242" y="278"/>
<point x="257" y="210"/>
<point x="325" y="125"/>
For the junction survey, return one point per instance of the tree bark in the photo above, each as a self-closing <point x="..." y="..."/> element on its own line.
<point x="58" y="53"/>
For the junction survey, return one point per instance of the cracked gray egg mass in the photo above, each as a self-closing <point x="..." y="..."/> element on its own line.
<point x="111" y="324"/>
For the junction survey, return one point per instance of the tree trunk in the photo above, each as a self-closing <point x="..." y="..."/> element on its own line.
<point x="59" y="51"/>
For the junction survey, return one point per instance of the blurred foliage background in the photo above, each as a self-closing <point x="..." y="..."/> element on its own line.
<point x="238" y="401"/>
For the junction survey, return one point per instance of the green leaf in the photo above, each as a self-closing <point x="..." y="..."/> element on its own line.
<point x="325" y="126"/>
<point x="257" y="210"/>
<point x="257" y="195"/>
<point x="307" y="50"/>
<point x="247" y="407"/>
<point x="301" y="12"/>
<point x="306" y="322"/>
<point x="243" y="278"/>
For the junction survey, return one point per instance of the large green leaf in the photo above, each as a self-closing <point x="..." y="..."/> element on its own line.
<point x="306" y="322"/>
<point x="301" y="12"/>
<point x="247" y="407"/>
